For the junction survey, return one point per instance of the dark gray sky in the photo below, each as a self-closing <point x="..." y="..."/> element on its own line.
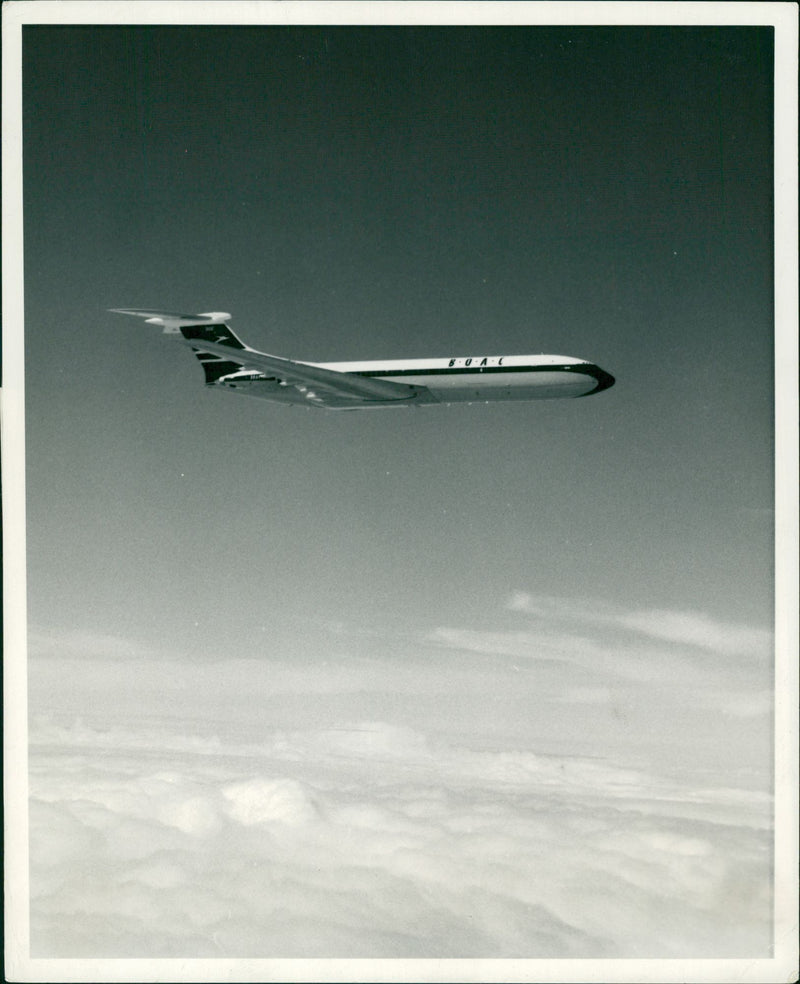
<point x="389" y="192"/>
<point x="544" y="629"/>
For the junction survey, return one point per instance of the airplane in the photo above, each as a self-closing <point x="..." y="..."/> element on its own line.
<point x="230" y="364"/>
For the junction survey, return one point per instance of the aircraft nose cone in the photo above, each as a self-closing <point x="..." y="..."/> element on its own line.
<point x="604" y="379"/>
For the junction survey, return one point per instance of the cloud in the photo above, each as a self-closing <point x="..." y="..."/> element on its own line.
<point x="576" y="779"/>
<point x="519" y="644"/>
<point x="587" y="695"/>
<point x="380" y="840"/>
<point x="85" y="644"/>
<point x="682" y="691"/>
<point x="695" y="630"/>
<point x="691" y="658"/>
<point x="745" y="705"/>
<point x="262" y="800"/>
<point x="700" y="631"/>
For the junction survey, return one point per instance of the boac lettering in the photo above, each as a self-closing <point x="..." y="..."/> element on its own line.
<point x="480" y="361"/>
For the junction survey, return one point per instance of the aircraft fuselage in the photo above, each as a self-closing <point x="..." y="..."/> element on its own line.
<point x="471" y="379"/>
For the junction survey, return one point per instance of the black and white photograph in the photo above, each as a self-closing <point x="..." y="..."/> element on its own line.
<point x="399" y="491"/>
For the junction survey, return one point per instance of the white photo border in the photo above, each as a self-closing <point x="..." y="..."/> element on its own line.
<point x="784" y="18"/>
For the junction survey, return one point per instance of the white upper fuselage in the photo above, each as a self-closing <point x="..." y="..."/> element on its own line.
<point x="469" y="379"/>
<point x="403" y="366"/>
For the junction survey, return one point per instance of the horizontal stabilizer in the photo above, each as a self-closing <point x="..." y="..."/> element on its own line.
<point x="172" y="322"/>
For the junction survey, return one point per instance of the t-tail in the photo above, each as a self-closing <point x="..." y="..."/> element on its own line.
<point x="196" y="329"/>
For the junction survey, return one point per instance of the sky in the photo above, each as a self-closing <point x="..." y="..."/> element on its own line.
<point x="489" y="681"/>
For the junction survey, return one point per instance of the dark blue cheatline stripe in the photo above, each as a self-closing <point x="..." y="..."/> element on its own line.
<point x="604" y="379"/>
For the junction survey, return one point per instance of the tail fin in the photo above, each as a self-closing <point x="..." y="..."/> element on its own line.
<point x="197" y="328"/>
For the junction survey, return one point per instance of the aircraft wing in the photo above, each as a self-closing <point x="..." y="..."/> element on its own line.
<point x="223" y="354"/>
<point x="309" y="377"/>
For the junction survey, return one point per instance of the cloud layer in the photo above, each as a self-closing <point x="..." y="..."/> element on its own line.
<point x="568" y="780"/>
<point x="371" y="840"/>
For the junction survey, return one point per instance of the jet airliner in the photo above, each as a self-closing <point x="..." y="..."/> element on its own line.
<point x="230" y="364"/>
